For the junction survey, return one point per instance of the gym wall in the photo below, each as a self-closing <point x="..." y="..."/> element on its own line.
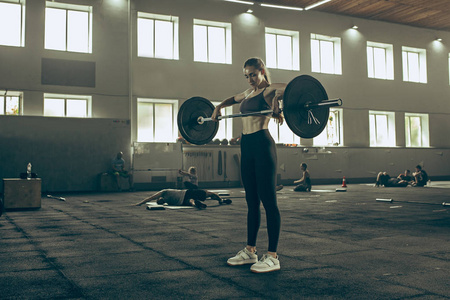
<point x="120" y="77"/>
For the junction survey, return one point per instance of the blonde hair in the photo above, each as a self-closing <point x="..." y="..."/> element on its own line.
<point x="192" y="170"/>
<point x="258" y="64"/>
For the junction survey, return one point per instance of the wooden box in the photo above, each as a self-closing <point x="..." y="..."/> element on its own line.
<point x="21" y="193"/>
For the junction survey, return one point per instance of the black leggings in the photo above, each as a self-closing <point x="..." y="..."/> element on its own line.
<point x="258" y="169"/>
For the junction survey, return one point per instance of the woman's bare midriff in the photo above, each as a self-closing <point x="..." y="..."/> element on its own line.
<point x="252" y="124"/>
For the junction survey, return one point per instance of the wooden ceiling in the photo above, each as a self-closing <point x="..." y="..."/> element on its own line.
<point x="432" y="14"/>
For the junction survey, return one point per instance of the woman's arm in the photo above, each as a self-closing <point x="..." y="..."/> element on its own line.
<point x="228" y="102"/>
<point x="301" y="179"/>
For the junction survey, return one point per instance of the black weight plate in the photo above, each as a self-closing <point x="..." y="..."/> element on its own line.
<point x="301" y="90"/>
<point x="194" y="133"/>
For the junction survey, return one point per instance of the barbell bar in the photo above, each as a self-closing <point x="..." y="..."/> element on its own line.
<point x="306" y="110"/>
<point x="329" y="103"/>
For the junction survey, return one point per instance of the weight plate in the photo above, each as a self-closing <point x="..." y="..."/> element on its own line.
<point x="188" y="114"/>
<point x="301" y="90"/>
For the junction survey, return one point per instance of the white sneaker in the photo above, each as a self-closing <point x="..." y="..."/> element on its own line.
<point x="243" y="257"/>
<point x="267" y="263"/>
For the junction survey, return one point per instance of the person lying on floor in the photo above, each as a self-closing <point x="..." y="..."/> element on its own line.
<point x="184" y="198"/>
<point x="384" y="179"/>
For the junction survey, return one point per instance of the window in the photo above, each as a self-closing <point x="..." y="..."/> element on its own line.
<point x="326" y="54"/>
<point x="282" y="49"/>
<point x="71" y="106"/>
<point x="282" y="134"/>
<point x="10" y="103"/>
<point x="332" y="134"/>
<point x="68" y="27"/>
<point x="380" y="61"/>
<point x="157" y="120"/>
<point x="12" y="23"/>
<point x="157" y="36"/>
<point x="212" y="42"/>
<point x="382" y="129"/>
<point x="414" y="64"/>
<point x="226" y="125"/>
<point x="416" y="130"/>
<point x="449" y="68"/>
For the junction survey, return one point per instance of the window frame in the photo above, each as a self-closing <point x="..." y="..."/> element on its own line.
<point x="67" y="97"/>
<point x="339" y="130"/>
<point x="228" y="41"/>
<point x="174" y="103"/>
<point x="175" y="34"/>
<point x="294" y="51"/>
<point x="337" y="53"/>
<point x="228" y="121"/>
<point x="389" y="60"/>
<point x="391" y="140"/>
<point x="67" y="8"/>
<point x="422" y="64"/>
<point x="4" y="94"/>
<point x="424" y="130"/>
<point x="22" y="4"/>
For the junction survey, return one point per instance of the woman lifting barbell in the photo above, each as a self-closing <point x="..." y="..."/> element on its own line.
<point x="258" y="163"/>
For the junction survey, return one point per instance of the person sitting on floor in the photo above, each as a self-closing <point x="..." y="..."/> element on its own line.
<point x="407" y="176"/>
<point x="420" y="177"/>
<point x="118" y="170"/>
<point x="304" y="183"/>
<point x="184" y="198"/>
<point x="384" y="179"/>
<point x="191" y="174"/>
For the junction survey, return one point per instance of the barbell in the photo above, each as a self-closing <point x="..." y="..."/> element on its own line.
<point x="306" y="108"/>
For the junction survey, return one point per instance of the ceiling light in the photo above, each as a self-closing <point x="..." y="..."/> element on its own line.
<point x="249" y="11"/>
<point x="282" y="7"/>
<point x="241" y="2"/>
<point x="439" y="39"/>
<point x="355" y="27"/>
<point x="316" y="4"/>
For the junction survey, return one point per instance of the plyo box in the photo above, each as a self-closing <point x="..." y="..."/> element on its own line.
<point x="21" y="193"/>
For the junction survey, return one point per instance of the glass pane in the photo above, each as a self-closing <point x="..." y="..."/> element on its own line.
<point x="78" y="31"/>
<point x="2" y="105"/>
<point x="327" y="57"/>
<point x="380" y="62"/>
<point x="284" y="55"/>
<point x="271" y="51"/>
<point x="370" y="71"/>
<point x="333" y="130"/>
<point x="145" y="37"/>
<point x="315" y="56"/>
<point x="382" y="130"/>
<point x="286" y="135"/>
<point x="163" y="39"/>
<point x="200" y="43"/>
<point x="216" y="44"/>
<point x="224" y="131"/>
<point x="10" y="24"/>
<point x="164" y="122"/>
<point x="12" y="106"/>
<point x="54" y="107"/>
<point x="55" y="29"/>
<point x="416" y="131"/>
<point x="405" y="65"/>
<point x="372" y="130"/>
<point x="413" y="67"/>
<point x="408" y="132"/>
<point x="76" y="108"/>
<point x="145" y="122"/>
<point x="273" y="129"/>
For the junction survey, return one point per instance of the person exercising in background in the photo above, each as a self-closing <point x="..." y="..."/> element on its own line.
<point x="258" y="162"/>
<point x="184" y="198"/>
<point x="191" y="174"/>
<point x="118" y="170"/>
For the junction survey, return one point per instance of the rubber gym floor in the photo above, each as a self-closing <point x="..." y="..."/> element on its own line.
<point x="333" y="245"/>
